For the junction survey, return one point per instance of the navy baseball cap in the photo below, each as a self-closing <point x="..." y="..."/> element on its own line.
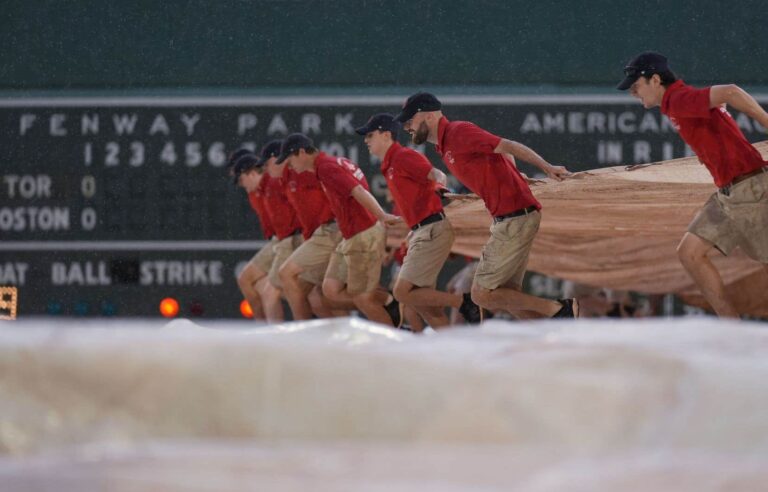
<point x="292" y="143"/>
<point x="244" y="164"/>
<point x="270" y="149"/>
<point x="421" y="101"/>
<point x="235" y="155"/>
<point x="384" y="122"/>
<point x="646" y="63"/>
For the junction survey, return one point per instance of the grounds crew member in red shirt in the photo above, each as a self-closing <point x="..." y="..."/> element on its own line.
<point x="412" y="181"/>
<point x="737" y="214"/>
<point x="264" y="298"/>
<point x="303" y="272"/>
<point x="354" y="270"/>
<point x="479" y="160"/>
<point x="284" y="220"/>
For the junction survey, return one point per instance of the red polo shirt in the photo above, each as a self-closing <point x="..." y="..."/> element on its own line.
<point x="281" y="213"/>
<point x="339" y="176"/>
<point x="711" y="132"/>
<point x="307" y="197"/>
<point x="257" y="204"/>
<point x="468" y="151"/>
<point x="406" y="172"/>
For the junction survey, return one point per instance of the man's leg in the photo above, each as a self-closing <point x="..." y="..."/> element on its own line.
<point x="413" y="319"/>
<point x="335" y="282"/>
<point x="435" y="317"/>
<point x="497" y="285"/>
<point x="514" y="302"/>
<point x="692" y="252"/>
<point x="247" y="280"/>
<point x="371" y="304"/>
<point x="322" y="307"/>
<point x="428" y="248"/>
<point x="362" y="257"/>
<point x="270" y="298"/>
<point x="296" y="290"/>
<point x="424" y="300"/>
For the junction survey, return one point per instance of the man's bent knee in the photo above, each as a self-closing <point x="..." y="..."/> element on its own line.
<point x="401" y="290"/>
<point x="332" y="289"/>
<point x="248" y="277"/>
<point x="692" y="249"/>
<point x="480" y="295"/>
<point x="288" y="271"/>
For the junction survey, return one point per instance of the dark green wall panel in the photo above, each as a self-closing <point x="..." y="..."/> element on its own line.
<point x="88" y="44"/>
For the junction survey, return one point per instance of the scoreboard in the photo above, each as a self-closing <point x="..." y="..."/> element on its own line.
<point x="109" y="205"/>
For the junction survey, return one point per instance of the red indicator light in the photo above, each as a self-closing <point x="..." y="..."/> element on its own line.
<point x="245" y="309"/>
<point x="196" y="308"/>
<point x="169" y="307"/>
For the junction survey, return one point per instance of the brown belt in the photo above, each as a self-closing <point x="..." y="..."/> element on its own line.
<point x="726" y="190"/>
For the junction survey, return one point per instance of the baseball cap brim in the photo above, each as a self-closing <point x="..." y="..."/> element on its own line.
<point x="405" y="115"/>
<point x="239" y="171"/>
<point x="627" y="82"/>
<point x="363" y="130"/>
<point x="370" y="127"/>
<point x="282" y="157"/>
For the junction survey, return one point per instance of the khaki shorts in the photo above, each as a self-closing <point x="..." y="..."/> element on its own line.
<point x="505" y="255"/>
<point x="428" y="248"/>
<point x="357" y="260"/>
<point x="314" y="254"/>
<point x="266" y="255"/>
<point x="282" y="249"/>
<point x="737" y="219"/>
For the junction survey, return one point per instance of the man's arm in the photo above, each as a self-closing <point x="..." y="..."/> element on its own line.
<point x="438" y="177"/>
<point x="527" y="154"/>
<point x="739" y="99"/>
<point x="367" y="200"/>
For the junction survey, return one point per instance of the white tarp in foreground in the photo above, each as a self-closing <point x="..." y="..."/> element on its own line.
<point x="348" y="405"/>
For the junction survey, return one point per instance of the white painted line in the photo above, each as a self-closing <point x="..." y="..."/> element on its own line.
<point x="22" y="246"/>
<point x="264" y="101"/>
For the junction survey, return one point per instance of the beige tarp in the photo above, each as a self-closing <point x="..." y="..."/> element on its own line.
<point x="619" y="228"/>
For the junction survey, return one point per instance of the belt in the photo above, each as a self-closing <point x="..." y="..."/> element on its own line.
<point x="429" y="220"/>
<point x="726" y="190"/>
<point x="516" y="213"/>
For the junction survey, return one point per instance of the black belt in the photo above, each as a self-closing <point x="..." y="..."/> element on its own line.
<point x="516" y="213"/>
<point x="726" y="190"/>
<point x="429" y="220"/>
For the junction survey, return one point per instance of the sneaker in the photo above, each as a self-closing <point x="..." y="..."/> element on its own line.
<point x="570" y="309"/>
<point x="393" y="308"/>
<point x="472" y="313"/>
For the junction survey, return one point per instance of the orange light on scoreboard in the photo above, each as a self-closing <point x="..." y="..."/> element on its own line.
<point x="169" y="307"/>
<point x="245" y="309"/>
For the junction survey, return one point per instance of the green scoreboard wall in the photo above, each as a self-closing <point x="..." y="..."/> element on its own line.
<point x="108" y="205"/>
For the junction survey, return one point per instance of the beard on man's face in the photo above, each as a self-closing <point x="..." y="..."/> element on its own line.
<point x="419" y="136"/>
